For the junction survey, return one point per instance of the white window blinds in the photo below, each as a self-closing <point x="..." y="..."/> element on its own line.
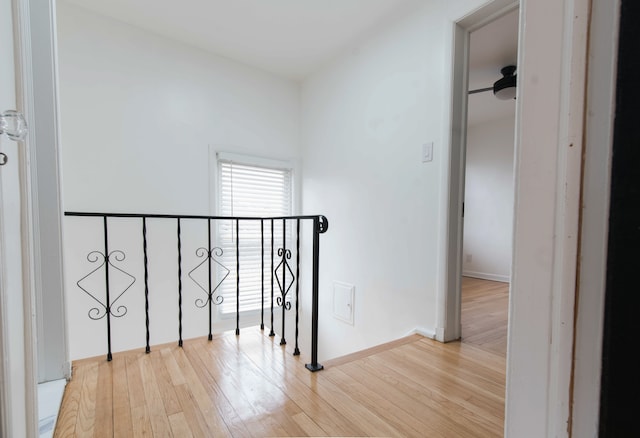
<point x="255" y="191"/>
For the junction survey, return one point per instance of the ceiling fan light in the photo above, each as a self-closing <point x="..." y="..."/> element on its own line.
<point x="505" y="93"/>
<point x="505" y="87"/>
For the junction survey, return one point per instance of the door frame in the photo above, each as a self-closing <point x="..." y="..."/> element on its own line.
<point x="448" y="318"/>
<point x="550" y="111"/>
<point x="25" y="418"/>
<point x="39" y="99"/>
<point x="34" y="42"/>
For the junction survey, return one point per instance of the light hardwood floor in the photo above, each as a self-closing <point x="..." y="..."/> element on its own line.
<point x="248" y="386"/>
<point x="485" y="307"/>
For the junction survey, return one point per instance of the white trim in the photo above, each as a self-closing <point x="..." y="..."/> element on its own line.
<point x="40" y="102"/>
<point x="19" y="399"/>
<point x="5" y="388"/>
<point x="254" y="160"/>
<point x="603" y="54"/>
<point x="24" y="80"/>
<point x="422" y="331"/>
<point x="549" y="115"/>
<point x="487" y="276"/>
<point x="448" y="292"/>
<point x="567" y="222"/>
<point x="449" y="262"/>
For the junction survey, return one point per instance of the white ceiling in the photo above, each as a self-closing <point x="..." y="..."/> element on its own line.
<point x="491" y="48"/>
<point x="291" y="38"/>
<point x="294" y="38"/>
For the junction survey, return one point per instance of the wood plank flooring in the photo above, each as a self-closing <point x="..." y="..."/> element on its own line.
<point x="249" y="386"/>
<point x="485" y="308"/>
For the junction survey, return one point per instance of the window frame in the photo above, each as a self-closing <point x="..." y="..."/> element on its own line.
<point x="216" y="187"/>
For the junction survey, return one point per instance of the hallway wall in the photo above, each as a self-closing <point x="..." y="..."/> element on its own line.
<point x="488" y="212"/>
<point x="141" y="118"/>
<point x="365" y="119"/>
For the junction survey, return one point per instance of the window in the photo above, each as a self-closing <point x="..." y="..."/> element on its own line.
<point x="253" y="188"/>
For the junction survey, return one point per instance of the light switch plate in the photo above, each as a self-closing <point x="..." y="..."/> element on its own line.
<point x="427" y="152"/>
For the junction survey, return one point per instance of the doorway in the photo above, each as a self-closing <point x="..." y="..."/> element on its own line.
<point x="449" y="327"/>
<point x="489" y="184"/>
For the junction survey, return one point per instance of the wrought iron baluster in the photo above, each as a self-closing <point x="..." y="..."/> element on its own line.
<point x="146" y="281"/>
<point x="179" y="285"/>
<point x="95" y="257"/>
<point x="283" y="291"/>
<point x="209" y="255"/>
<point x="272" y="333"/>
<point x="296" y="350"/>
<point x="108" y="299"/>
<point x="209" y="277"/>
<point x="237" y="277"/>
<point x="282" y="269"/>
<point x="262" y="272"/>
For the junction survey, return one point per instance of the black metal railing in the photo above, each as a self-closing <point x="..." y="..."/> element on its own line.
<point x="282" y="276"/>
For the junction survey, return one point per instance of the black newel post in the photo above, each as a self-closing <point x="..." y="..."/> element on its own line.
<point x="320" y="225"/>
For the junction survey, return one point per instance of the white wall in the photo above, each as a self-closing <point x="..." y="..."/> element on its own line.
<point x="138" y="113"/>
<point x="365" y="118"/>
<point x="488" y="214"/>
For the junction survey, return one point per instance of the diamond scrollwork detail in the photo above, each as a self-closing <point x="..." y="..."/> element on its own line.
<point x="207" y="255"/>
<point x="104" y="308"/>
<point x="280" y="274"/>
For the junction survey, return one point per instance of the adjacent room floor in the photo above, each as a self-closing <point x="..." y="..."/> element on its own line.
<point x="485" y="307"/>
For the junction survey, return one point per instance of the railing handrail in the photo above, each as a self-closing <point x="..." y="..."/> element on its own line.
<point x="190" y="216"/>
<point x="320" y="225"/>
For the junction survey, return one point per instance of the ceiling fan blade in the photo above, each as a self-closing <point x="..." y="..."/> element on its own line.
<point x="480" y="90"/>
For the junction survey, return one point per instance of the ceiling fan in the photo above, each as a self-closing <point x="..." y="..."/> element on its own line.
<point x="505" y="87"/>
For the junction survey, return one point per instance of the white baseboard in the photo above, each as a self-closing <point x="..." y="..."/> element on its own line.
<point x="486" y="276"/>
<point x="67" y="370"/>
<point x="427" y="333"/>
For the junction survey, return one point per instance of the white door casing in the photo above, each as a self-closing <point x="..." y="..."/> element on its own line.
<point x="37" y="53"/>
<point x="17" y="396"/>
<point x="448" y="321"/>
<point x="12" y="325"/>
<point x="549" y="115"/>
